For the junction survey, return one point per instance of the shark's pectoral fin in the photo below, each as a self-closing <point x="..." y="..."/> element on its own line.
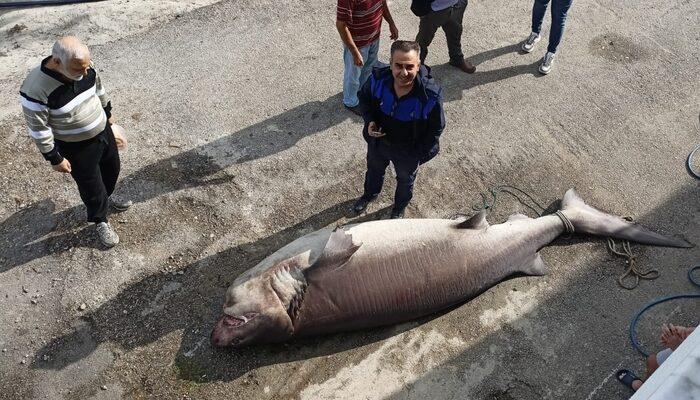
<point x="337" y="252"/>
<point x="536" y="266"/>
<point x="477" y="221"/>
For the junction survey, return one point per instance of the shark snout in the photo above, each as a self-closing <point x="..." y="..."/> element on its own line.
<point x="216" y="339"/>
<point x="230" y="330"/>
<point x="219" y="335"/>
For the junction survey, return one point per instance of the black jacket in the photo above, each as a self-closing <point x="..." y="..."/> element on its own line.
<point x="414" y="122"/>
<point x="421" y="7"/>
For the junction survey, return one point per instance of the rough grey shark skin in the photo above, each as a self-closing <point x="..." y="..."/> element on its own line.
<point x="385" y="272"/>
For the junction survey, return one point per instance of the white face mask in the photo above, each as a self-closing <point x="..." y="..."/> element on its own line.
<point x="67" y="75"/>
<point x="75" y="78"/>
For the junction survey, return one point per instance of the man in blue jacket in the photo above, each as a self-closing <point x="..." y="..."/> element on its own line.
<point x="402" y="108"/>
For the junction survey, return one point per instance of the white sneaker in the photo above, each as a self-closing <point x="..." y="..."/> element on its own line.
<point x="547" y="62"/>
<point x="529" y="43"/>
<point x="106" y="234"/>
<point x="120" y="204"/>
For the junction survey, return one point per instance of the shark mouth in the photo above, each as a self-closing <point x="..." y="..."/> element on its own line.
<point x="238" y="320"/>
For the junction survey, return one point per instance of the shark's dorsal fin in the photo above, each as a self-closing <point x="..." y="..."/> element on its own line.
<point x="518" y="217"/>
<point x="337" y="252"/>
<point x="477" y="221"/>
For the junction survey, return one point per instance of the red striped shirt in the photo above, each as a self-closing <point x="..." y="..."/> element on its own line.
<point x="363" y="18"/>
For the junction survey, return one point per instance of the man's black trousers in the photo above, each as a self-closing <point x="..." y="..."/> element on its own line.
<point x="95" y="168"/>
<point x="379" y="154"/>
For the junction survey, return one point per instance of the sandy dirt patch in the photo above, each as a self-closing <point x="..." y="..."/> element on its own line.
<point x="28" y="33"/>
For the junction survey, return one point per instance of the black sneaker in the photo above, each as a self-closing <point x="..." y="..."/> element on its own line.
<point x="120" y="205"/>
<point x="362" y="203"/>
<point x="397" y="214"/>
<point x="355" y="110"/>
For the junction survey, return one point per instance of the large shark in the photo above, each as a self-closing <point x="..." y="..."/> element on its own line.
<point x="385" y="272"/>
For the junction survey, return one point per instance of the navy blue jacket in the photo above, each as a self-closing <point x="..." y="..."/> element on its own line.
<point x="413" y="122"/>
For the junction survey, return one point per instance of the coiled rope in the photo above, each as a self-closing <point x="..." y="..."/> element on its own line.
<point x="632" y="271"/>
<point x="495" y="191"/>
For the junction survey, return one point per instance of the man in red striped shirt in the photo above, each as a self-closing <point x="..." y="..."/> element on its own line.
<point x="359" y="23"/>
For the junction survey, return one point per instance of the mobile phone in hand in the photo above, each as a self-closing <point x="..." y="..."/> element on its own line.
<point x="377" y="133"/>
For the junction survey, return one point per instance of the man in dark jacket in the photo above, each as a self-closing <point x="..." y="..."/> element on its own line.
<point x="402" y="108"/>
<point x="447" y="14"/>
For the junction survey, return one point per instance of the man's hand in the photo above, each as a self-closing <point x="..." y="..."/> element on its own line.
<point x="374" y="131"/>
<point x="345" y="35"/>
<point x="393" y="32"/>
<point x="357" y="57"/>
<point x="64" y="166"/>
<point x="111" y="120"/>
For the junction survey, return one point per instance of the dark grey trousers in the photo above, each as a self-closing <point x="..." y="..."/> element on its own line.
<point x="450" y="20"/>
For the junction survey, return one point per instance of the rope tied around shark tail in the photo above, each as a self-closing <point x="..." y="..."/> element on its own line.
<point x="567" y="223"/>
<point x="632" y="271"/>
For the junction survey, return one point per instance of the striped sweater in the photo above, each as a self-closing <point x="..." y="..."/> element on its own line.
<point x="363" y="18"/>
<point x="69" y="112"/>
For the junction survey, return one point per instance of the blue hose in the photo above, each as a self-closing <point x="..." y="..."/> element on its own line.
<point x="13" y="4"/>
<point x="633" y="334"/>
<point x="689" y="163"/>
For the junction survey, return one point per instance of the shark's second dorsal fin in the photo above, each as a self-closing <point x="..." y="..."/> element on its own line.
<point x="518" y="217"/>
<point x="476" y="221"/>
<point x="338" y="250"/>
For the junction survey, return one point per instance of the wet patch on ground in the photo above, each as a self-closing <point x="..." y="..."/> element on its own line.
<point x="617" y="48"/>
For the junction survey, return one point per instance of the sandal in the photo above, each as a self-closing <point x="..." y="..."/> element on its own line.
<point x="626" y="377"/>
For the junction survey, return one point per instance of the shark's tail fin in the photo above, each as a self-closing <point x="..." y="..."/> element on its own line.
<point x="587" y="219"/>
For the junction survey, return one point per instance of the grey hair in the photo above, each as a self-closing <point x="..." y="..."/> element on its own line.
<point x="69" y="48"/>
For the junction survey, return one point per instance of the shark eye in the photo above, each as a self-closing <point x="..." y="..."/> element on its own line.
<point x="248" y="316"/>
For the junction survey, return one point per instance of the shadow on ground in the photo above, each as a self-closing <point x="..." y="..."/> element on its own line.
<point x="205" y="164"/>
<point x="455" y="83"/>
<point x="37" y="231"/>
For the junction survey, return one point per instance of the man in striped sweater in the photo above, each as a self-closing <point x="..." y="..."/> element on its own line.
<point x="68" y="115"/>
<point x="359" y="23"/>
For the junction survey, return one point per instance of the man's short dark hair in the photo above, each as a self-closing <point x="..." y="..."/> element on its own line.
<point x="405" y="46"/>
